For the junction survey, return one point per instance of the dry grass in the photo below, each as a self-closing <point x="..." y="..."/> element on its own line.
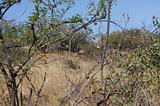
<point x="55" y="65"/>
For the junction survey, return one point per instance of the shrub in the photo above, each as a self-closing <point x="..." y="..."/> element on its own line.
<point x="129" y="39"/>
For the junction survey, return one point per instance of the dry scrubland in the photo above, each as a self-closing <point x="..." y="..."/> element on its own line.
<point x="123" y="71"/>
<point x="57" y="67"/>
<point x="76" y="76"/>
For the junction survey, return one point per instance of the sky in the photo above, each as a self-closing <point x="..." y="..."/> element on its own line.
<point x="139" y="11"/>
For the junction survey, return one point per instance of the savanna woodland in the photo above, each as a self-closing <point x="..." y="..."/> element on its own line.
<point x="53" y="60"/>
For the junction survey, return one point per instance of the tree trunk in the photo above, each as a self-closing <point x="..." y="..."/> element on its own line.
<point x="14" y="101"/>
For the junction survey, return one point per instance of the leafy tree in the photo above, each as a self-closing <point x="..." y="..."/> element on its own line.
<point x="17" y="44"/>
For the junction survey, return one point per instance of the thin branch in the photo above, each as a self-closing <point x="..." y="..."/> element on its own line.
<point x="7" y="8"/>
<point x="40" y="90"/>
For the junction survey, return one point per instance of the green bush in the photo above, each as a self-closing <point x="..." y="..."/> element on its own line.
<point x="129" y="39"/>
<point x="144" y="59"/>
